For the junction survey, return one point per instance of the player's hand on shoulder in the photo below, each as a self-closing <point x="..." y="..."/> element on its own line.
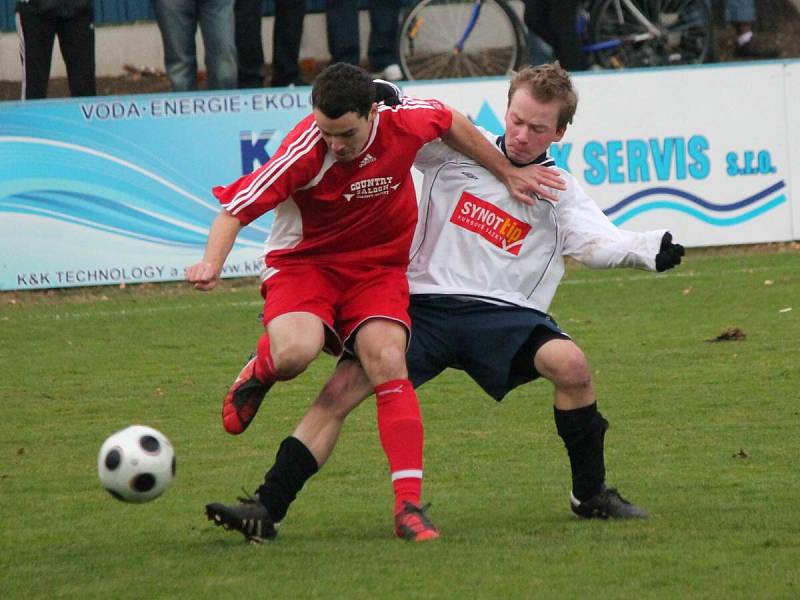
<point x="536" y="180"/>
<point x="669" y="255"/>
<point x="387" y="92"/>
<point x="203" y="275"/>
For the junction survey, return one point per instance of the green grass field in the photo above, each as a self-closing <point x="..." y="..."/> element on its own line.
<point x="704" y="435"/>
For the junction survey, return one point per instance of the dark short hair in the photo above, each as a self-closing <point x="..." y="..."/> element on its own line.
<point x="343" y="88"/>
<point x="548" y="83"/>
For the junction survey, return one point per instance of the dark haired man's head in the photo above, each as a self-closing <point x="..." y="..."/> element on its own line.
<point x="343" y="88"/>
<point x="343" y="99"/>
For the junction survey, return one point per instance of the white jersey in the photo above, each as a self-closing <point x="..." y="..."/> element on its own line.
<point x="474" y="239"/>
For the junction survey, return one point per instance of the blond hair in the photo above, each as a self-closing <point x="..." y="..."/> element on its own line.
<point x="548" y="83"/>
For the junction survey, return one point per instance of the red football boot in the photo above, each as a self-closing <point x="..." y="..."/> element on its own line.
<point x="243" y="399"/>
<point x="413" y="524"/>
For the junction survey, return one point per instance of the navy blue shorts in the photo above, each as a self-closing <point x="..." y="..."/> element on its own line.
<point x="494" y="345"/>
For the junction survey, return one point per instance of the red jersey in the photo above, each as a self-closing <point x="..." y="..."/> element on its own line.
<point x="361" y="212"/>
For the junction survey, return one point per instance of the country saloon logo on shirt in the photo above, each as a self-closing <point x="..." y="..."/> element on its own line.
<point x="370" y="188"/>
<point x="492" y="223"/>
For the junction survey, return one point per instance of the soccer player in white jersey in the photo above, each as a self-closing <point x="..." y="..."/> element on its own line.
<point x="334" y="273"/>
<point x="484" y="269"/>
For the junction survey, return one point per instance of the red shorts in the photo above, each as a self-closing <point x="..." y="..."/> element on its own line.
<point x="342" y="297"/>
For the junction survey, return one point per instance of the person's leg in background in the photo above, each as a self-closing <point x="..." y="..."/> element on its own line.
<point x="539" y="51"/>
<point x="741" y="14"/>
<point x="217" y="24"/>
<point x="287" y="35"/>
<point x="36" y="37"/>
<point x="249" y="48"/>
<point x="177" y="20"/>
<point x="563" y="22"/>
<point x="384" y="16"/>
<point x="76" y="40"/>
<point x="556" y="23"/>
<point x="343" y="32"/>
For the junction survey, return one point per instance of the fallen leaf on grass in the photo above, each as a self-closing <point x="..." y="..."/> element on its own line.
<point x="731" y="334"/>
<point x="785" y="310"/>
<point x="742" y="453"/>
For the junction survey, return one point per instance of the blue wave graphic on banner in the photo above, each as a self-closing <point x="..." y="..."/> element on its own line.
<point x="106" y="215"/>
<point x="81" y="185"/>
<point x="711" y="219"/>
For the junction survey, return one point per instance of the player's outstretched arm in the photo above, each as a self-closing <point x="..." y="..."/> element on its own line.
<point x="521" y="183"/>
<point x="669" y="255"/>
<point x="593" y="240"/>
<point x="205" y="274"/>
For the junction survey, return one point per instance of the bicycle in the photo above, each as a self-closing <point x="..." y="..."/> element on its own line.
<point x="480" y="38"/>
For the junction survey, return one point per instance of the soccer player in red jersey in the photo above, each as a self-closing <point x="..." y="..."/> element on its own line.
<point x="483" y="271"/>
<point x="334" y="276"/>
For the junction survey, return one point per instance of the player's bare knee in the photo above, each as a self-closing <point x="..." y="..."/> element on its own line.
<point x="572" y="370"/>
<point x="292" y="359"/>
<point x="386" y="363"/>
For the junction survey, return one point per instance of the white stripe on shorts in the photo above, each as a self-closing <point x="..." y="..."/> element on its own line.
<point x="407" y="474"/>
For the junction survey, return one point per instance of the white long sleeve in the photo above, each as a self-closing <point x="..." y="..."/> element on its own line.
<point x="473" y="239"/>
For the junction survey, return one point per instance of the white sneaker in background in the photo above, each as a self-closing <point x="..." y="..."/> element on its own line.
<point x="391" y="73"/>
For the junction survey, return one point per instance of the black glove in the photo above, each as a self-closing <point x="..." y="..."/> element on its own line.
<point x="669" y="254"/>
<point x="387" y="92"/>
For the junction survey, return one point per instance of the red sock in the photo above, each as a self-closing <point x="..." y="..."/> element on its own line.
<point x="401" y="433"/>
<point x="265" y="371"/>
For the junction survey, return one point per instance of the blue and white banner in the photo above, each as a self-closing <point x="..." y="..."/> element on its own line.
<point x="113" y="190"/>
<point x="792" y="82"/>
<point x="702" y="151"/>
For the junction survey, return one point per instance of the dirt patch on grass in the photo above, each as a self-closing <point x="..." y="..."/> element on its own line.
<point x="731" y="334"/>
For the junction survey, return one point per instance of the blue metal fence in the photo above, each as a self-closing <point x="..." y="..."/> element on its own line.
<point x="109" y="12"/>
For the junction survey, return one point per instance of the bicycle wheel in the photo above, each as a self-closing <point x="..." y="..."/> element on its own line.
<point x="645" y="33"/>
<point x="460" y="38"/>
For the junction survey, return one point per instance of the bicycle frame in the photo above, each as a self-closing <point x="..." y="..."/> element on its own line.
<point x="653" y="31"/>
<point x="613" y="33"/>
<point x="473" y="19"/>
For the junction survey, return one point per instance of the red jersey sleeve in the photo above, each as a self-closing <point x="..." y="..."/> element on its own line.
<point x="425" y="119"/>
<point x="296" y="162"/>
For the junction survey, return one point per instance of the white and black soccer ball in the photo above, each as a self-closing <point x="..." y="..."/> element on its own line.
<point x="136" y="464"/>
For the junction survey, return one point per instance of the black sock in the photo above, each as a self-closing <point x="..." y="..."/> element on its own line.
<point x="294" y="465"/>
<point x="583" y="430"/>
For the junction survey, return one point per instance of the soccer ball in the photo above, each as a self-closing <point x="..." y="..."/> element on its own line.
<point x="136" y="464"/>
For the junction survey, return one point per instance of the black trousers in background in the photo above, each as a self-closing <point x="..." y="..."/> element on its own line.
<point x="555" y="21"/>
<point x="37" y="35"/>
<point x="343" y="32"/>
<point x="287" y="34"/>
